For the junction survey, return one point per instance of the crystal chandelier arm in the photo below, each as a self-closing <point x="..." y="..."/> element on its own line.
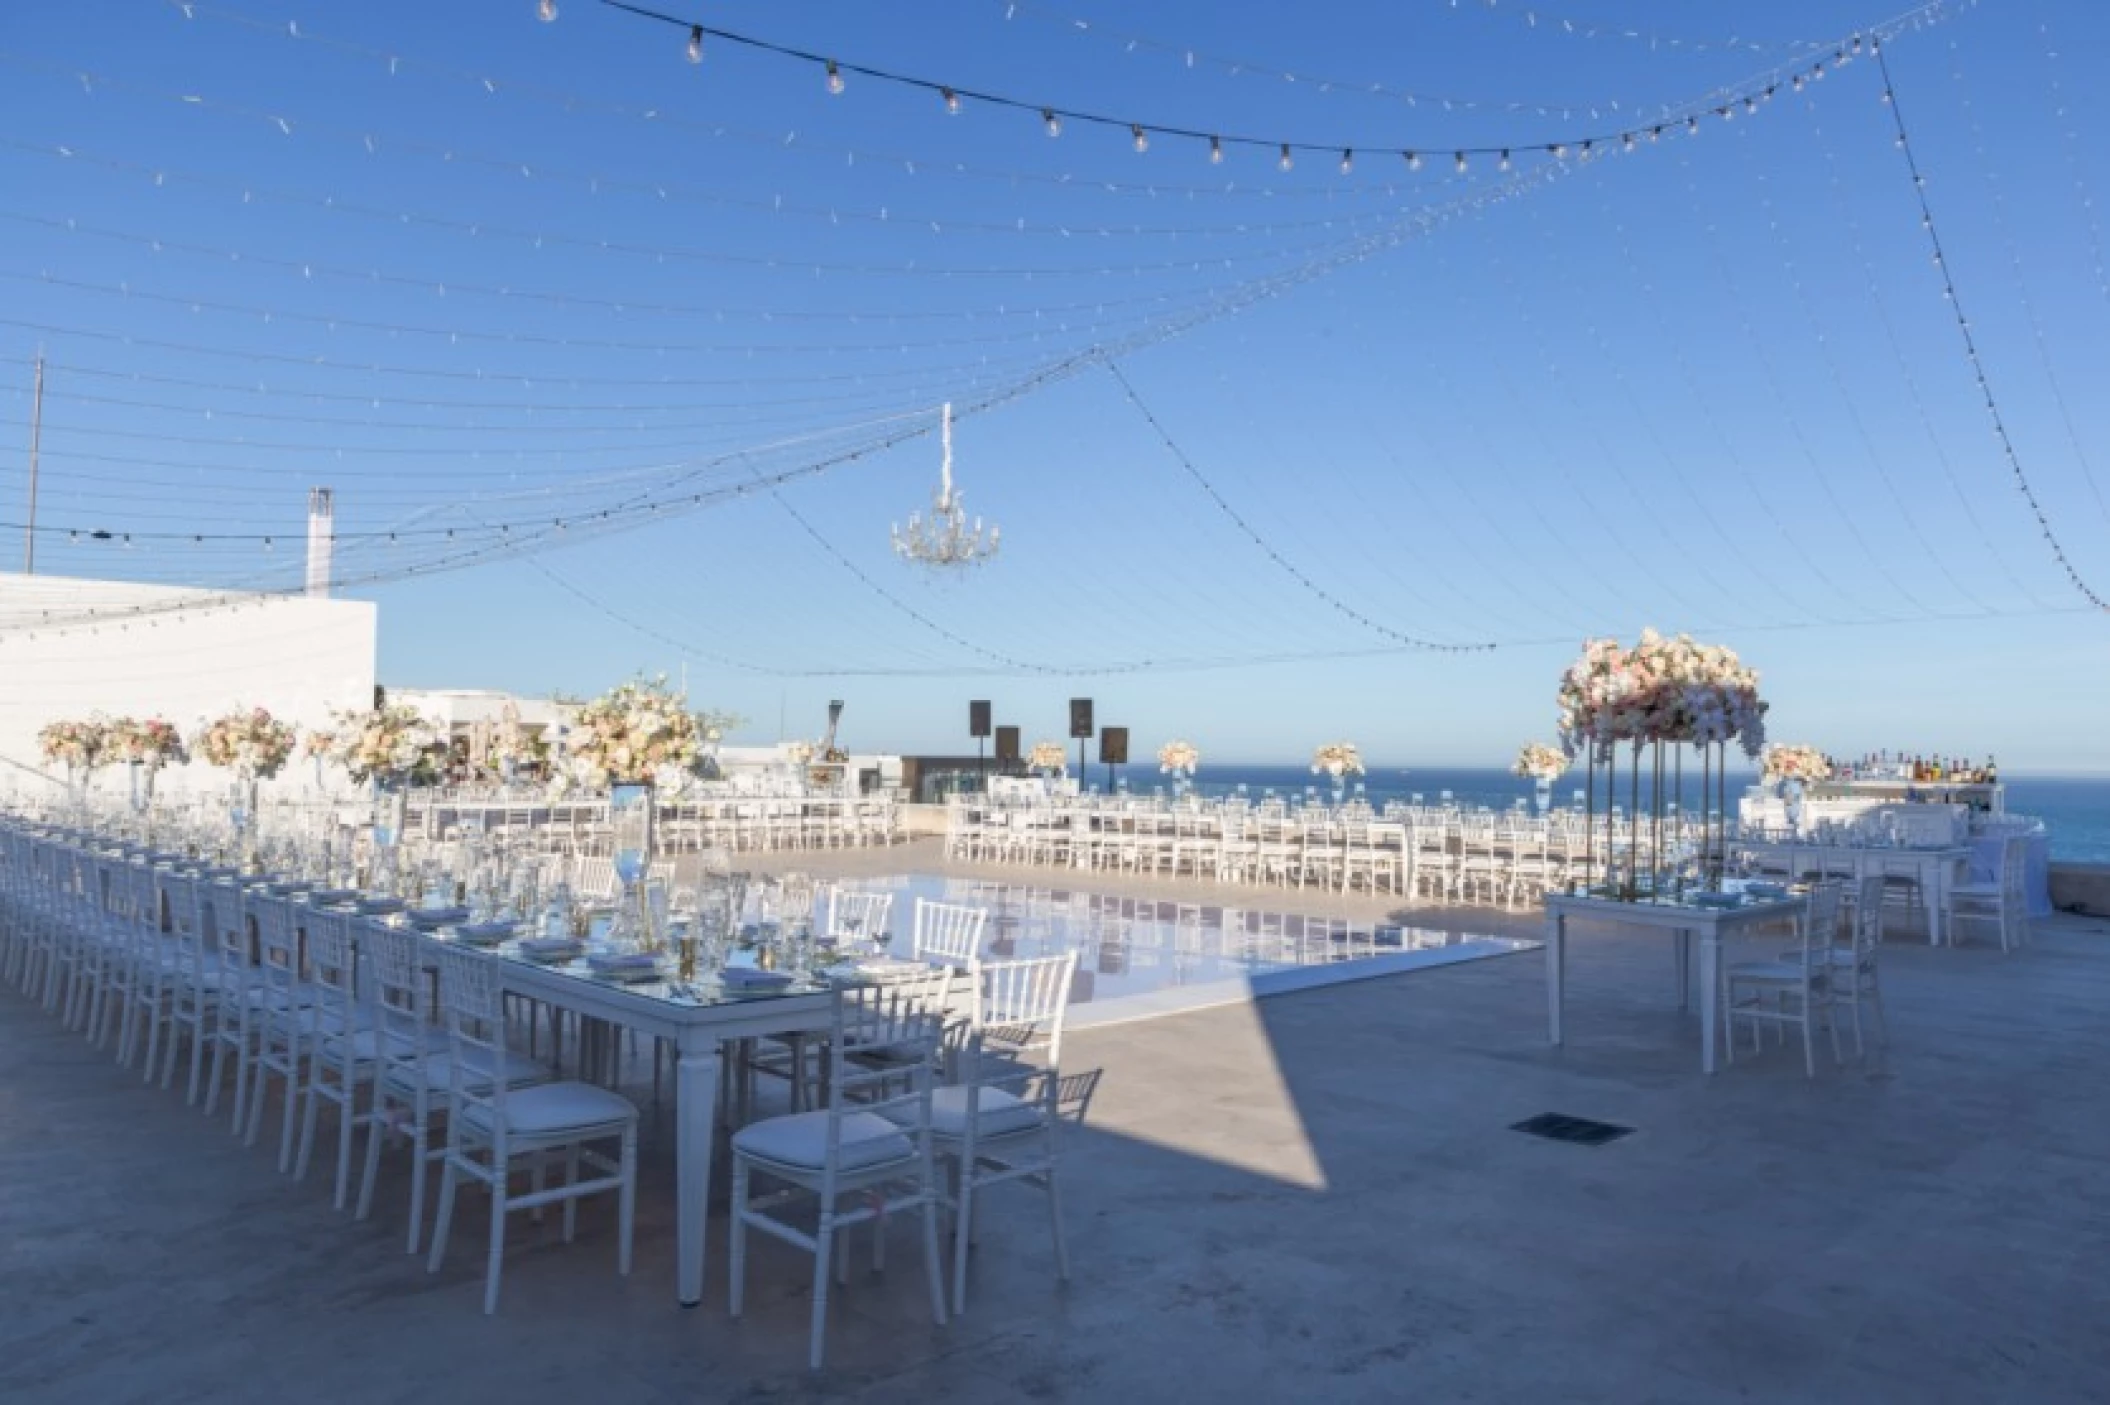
<point x="945" y="463"/>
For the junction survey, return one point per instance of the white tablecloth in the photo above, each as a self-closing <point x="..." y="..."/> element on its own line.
<point x="2036" y="869"/>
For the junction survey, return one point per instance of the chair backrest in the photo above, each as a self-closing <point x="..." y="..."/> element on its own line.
<point x="1019" y="1006"/>
<point x="331" y="964"/>
<point x="882" y="1059"/>
<point x="1820" y="929"/>
<point x="595" y="877"/>
<point x="948" y="932"/>
<point x="396" y="987"/>
<point x="277" y="942"/>
<point x="1868" y="914"/>
<point x="858" y="914"/>
<point x="2014" y="861"/>
<point x="472" y="1001"/>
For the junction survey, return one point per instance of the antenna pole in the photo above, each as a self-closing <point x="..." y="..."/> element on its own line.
<point x="36" y="434"/>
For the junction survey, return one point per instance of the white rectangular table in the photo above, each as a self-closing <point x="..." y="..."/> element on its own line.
<point x="698" y="1030"/>
<point x="1683" y="921"/>
<point x="1934" y="870"/>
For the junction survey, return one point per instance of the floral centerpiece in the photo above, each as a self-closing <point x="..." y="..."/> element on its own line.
<point x="1662" y="690"/>
<point x="1046" y="757"/>
<point x="1539" y="762"/>
<point x="249" y="741"/>
<point x="1671" y="692"/>
<point x="1338" y="760"/>
<point x="1787" y="762"/>
<point x="1178" y="758"/>
<point x="79" y="744"/>
<point x="633" y="733"/>
<point x="392" y="745"/>
<point x="511" y="746"/>
<point x="318" y="745"/>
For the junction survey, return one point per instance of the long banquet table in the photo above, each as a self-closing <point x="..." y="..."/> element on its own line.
<point x="698" y="1024"/>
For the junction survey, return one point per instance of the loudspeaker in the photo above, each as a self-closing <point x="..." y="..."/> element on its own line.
<point x="1080" y="718"/>
<point x="1007" y="743"/>
<point x="1113" y="746"/>
<point x="978" y="718"/>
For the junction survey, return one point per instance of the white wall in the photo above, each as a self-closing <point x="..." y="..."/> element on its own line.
<point x="187" y="655"/>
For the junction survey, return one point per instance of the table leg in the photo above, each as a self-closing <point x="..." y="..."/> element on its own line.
<point x="695" y="1123"/>
<point x="1682" y="944"/>
<point x="1556" y="972"/>
<point x="1710" y="977"/>
<point x="1934" y="884"/>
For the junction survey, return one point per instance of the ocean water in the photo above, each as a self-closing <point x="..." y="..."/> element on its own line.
<point x="2075" y="809"/>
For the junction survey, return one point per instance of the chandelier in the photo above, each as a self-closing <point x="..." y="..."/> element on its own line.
<point x="945" y="539"/>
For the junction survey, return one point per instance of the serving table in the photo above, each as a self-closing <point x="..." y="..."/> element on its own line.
<point x="1935" y="870"/>
<point x="1684" y="918"/>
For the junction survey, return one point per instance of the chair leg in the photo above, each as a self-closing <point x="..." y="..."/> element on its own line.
<point x="823" y="1246"/>
<point x="626" y="1202"/>
<point x="347" y="1123"/>
<point x="1062" y="1247"/>
<point x="571" y="1203"/>
<point x="497" y="1264"/>
<point x="962" y="1229"/>
<point x="309" y="1115"/>
<point x="932" y="1273"/>
<point x="737" y="1239"/>
<point x="444" y="1223"/>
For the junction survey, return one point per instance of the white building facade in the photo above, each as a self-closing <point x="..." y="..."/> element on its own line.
<point x="70" y="648"/>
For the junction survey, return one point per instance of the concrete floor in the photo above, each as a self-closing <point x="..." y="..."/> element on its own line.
<point x="1313" y="1198"/>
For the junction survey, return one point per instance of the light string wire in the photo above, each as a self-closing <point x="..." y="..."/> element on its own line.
<point x="1970" y="343"/>
<point x="1923" y="416"/>
<point x="1533" y="19"/>
<point x="1223" y="505"/>
<point x="570" y="103"/>
<point x="1769" y="375"/>
<point x="1729" y="543"/>
<point x="312" y="270"/>
<point x="1419" y="222"/>
<point x="1988" y="170"/>
<point x="1725" y="102"/>
<point x="1762" y="183"/>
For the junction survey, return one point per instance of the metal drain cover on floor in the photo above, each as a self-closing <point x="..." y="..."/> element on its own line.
<point x="1582" y="1131"/>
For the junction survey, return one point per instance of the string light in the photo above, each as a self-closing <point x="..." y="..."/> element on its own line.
<point x="1347" y="162"/>
<point x="695" y="49"/>
<point x="1140" y="132"/>
<point x="546" y="11"/>
<point x="1503" y="163"/>
<point x="1287" y="160"/>
<point x="1051" y="122"/>
<point x="1413" y="160"/>
<point x="1216" y="151"/>
<point x="952" y="103"/>
<point x="1458" y="160"/>
<point x="1971" y="353"/>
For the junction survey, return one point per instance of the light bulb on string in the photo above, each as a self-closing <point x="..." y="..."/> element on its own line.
<point x="1750" y="106"/>
<point x="1503" y="163"/>
<point x="835" y="79"/>
<point x="1286" y="162"/>
<point x="546" y="11"/>
<point x="1692" y="126"/>
<point x="1142" y="138"/>
<point x="1458" y="161"/>
<point x="1796" y="82"/>
<point x="1216" y="151"/>
<point x="1626" y="141"/>
<point x="1051" y="122"/>
<point x="1347" y="161"/>
<point x="695" y="49"/>
<point x="1817" y="70"/>
<point x="1413" y="160"/>
<point x="1726" y="113"/>
<point x="952" y="102"/>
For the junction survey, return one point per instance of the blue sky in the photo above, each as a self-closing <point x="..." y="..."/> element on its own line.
<point x="485" y="276"/>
